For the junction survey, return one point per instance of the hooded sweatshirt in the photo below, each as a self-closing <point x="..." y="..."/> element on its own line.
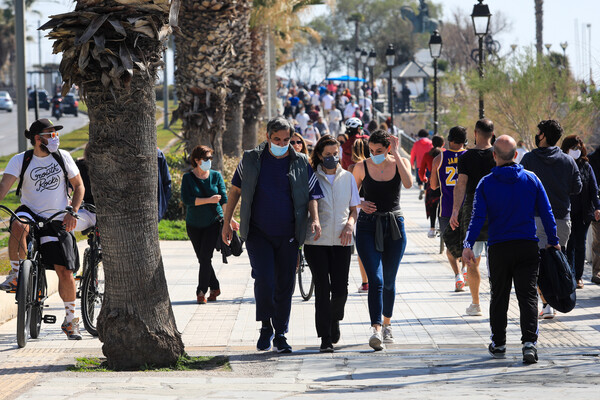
<point x="510" y="197"/>
<point x="559" y="175"/>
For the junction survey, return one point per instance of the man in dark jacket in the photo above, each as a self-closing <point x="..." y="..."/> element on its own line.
<point x="594" y="160"/>
<point x="510" y="197"/>
<point x="164" y="184"/>
<point x="561" y="179"/>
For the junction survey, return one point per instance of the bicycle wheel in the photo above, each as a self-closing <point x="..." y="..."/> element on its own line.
<point x="92" y="295"/>
<point x="305" y="280"/>
<point x="37" y="308"/>
<point x="24" y="301"/>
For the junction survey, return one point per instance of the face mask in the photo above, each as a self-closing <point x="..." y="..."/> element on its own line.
<point x="331" y="162"/>
<point x="378" y="159"/>
<point x="575" y="154"/>
<point x="52" y="144"/>
<point x="537" y="140"/>
<point x="205" y="165"/>
<point x="278" y="151"/>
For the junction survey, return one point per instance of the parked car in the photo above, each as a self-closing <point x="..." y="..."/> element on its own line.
<point x="6" y="102"/>
<point x="43" y="99"/>
<point x="70" y="105"/>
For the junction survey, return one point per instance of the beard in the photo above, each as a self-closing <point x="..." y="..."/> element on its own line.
<point x="44" y="148"/>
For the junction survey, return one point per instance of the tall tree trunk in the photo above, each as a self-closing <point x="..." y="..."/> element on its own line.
<point x="205" y="51"/>
<point x="539" y="26"/>
<point x="115" y="62"/>
<point x="253" y="103"/>
<point x="232" y="143"/>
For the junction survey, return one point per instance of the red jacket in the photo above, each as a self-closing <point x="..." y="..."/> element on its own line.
<point x="347" y="150"/>
<point x="426" y="165"/>
<point x="419" y="149"/>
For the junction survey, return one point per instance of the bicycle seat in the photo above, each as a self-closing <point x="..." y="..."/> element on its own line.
<point x="88" y="231"/>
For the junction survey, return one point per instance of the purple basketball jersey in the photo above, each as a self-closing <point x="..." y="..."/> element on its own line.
<point x="448" y="173"/>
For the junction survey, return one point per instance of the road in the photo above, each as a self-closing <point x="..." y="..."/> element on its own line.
<point x="8" y="127"/>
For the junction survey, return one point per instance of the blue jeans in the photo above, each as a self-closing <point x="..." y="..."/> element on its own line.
<point x="381" y="268"/>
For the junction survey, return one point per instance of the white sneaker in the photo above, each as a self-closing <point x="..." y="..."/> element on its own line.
<point x="459" y="285"/>
<point x="547" y="312"/>
<point x="474" y="310"/>
<point x="431" y="233"/>
<point x="376" y="340"/>
<point x="10" y="284"/>
<point x="387" y="334"/>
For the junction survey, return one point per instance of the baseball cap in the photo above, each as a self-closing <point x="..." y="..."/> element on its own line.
<point x="39" y="125"/>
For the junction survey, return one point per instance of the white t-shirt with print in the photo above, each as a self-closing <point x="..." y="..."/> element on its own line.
<point x="44" y="187"/>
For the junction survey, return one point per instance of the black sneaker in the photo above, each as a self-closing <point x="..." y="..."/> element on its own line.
<point x="264" y="341"/>
<point x="529" y="353"/>
<point x="280" y="344"/>
<point x="335" y="331"/>
<point x="326" y="345"/>
<point x="497" y="351"/>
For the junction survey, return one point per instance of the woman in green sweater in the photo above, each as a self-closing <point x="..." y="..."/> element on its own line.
<point x="203" y="192"/>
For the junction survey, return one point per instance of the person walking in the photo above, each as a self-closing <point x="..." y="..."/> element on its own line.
<point x="585" y="206"/>
<point x="432" y="196"/>
<point x="444" y="176"/>
<point x="561" y="179"/>
<point x="328" y="255"/>
<point x="354" y="130"/>
<point x="278" y="188"/>
<point x="203" y="193"/>
<point x="419" y="149"/>
<point x="299" y="144"/>
<point x="473" y="165"/>
<point x="380" y="235"/>
<point x="521" y="151"/>
<point x="594" y="160"/>
<point x="509" y="198"/>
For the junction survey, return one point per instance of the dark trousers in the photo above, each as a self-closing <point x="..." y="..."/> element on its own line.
<point x="203" y="240"/>
<point x="576" y="245"/>
<point x="273" y="261"/>
<point x="517" y="261"/>
<point x="329" y="266"/>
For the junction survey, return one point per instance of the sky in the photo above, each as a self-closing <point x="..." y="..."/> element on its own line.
<point x="560" y="18"/>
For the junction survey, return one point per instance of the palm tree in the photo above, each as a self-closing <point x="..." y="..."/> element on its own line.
<point x="539" y="26"/>
<point x="112" y="50"/>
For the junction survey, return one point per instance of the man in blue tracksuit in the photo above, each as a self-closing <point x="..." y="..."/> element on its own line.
<point x="509" y="197"/>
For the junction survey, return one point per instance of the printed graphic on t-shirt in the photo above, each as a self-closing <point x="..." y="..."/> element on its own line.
<point x="46" y="178"/>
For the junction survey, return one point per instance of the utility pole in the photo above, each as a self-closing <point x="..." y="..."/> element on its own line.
<point x="40" y="54"/>
<point x="589" y="26"/>
<point x="165" y="91"/>
<point x="21" y="74"/>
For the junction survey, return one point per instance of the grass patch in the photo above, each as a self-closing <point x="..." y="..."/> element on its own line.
<point x="184" y="363"/>
<point x="172" y="230"/>
<point x="4" y="266"/>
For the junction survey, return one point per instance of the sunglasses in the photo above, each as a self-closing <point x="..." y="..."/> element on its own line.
<point x="293" y="142"/>
<point x="207" y="158"/>
<point x="49" y="135"/>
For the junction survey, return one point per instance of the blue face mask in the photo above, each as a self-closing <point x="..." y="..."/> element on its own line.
<point x="205" y="165"/>
<point x="378" y="159"/>
<point x="278" y="151"/>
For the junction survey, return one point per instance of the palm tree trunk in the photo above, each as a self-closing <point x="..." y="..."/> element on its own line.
<point x="136" y="324"/>
<point x="253" y="104"/>
<point x="539" y="26"/>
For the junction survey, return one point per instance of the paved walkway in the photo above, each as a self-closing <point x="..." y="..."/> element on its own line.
<point x="438" y="348"/>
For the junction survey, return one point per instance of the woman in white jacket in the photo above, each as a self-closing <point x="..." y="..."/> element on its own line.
<point x="328" y="256"/>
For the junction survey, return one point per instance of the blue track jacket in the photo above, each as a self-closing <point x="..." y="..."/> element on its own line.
<point x="510" y="197"/>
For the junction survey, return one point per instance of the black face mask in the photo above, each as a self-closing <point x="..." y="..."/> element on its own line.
<point x="537" y="140"/>
<point x="331" y="162"/>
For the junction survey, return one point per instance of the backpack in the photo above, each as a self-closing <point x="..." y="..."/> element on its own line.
<point x="27" y="160"/>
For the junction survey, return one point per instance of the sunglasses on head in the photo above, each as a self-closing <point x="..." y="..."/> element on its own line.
<point x="293" y="142"/>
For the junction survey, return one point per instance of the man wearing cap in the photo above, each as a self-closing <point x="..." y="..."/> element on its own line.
<point x="48" y="172"/>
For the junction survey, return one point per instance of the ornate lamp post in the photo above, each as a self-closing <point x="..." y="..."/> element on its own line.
<point x="347" y="52"/>
<point x="357" y="53"/>
<point x="435" y="48"/>
<point x="548" y="45"/>
<point x="371" y="63"/>
<point x="363" y="59"/>
<point x="390" y="59"/>
<point x="481" y="24"/>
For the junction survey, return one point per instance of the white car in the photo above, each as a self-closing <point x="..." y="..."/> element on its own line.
<point x="6" y="102"/>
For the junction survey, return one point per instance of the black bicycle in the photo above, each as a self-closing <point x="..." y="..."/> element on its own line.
<point x="32" y="287"/>
<point x="92" y="281"/>
<point x="306" y="282"/>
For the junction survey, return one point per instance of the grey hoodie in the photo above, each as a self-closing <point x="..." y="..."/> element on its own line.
<point x="559" y="175"/>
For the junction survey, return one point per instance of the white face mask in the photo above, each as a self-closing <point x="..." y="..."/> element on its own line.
<point x="52" y="145"/>
<point x="575" y="154"/>
<point x="205" y="165"/>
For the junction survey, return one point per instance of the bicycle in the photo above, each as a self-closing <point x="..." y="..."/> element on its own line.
<point x="304" y="277"/>
<point x="92" y="282"/>
<point x="32" y="287"/>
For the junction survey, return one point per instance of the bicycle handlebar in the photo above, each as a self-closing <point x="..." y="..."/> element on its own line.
<point x="68" y="210"/>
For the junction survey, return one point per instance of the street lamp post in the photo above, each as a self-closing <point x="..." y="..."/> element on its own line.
<point x="371" y="63"/>
<point x="435" y="48"/>
<point x="547" y="46"/>
<point x="347" y="52"/>
<point x="363" y="59"/>
<point x="564" y="47"/>
<point x="481" y="23"/>
<point x="390" y="59"/>
<point x="357" y="52"/>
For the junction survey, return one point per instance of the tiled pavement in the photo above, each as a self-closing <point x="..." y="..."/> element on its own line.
<point x="436" y="343"/>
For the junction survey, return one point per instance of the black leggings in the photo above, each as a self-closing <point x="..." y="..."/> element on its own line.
<point x="204" y="240"/>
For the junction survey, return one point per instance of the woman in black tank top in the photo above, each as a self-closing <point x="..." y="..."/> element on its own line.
<point x="380" y="237"/>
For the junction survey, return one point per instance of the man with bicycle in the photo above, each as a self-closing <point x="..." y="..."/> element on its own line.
<point x="44" y="182"/>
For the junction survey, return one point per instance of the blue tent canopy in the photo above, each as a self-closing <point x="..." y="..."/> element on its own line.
<point x="346" y="78"/>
